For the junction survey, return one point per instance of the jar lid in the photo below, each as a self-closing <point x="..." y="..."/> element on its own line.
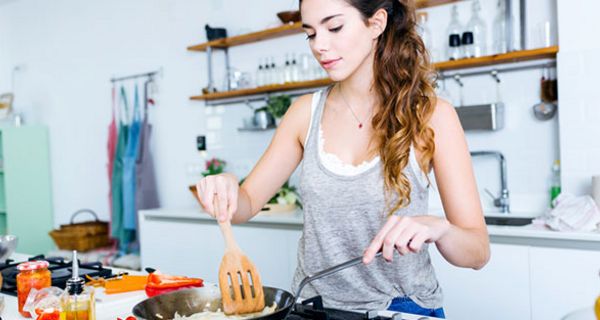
<point x="33" y="265"/>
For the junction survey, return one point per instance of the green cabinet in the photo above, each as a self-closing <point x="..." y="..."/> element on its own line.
<point x="25" y="187"/>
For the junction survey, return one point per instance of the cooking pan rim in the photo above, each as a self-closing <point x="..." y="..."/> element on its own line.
<point x="279" y="313"/>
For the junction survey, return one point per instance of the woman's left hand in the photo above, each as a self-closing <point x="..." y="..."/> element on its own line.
<point x="406" y="235"/>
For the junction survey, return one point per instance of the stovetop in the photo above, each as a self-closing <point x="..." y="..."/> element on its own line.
<point x="60" y="270"/>
<point x="313" y="309"/>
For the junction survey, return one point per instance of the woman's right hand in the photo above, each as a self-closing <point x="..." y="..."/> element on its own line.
<point x="218" y="195"/>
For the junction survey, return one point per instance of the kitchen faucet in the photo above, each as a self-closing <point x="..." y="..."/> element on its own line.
<point x="503" y="201"/>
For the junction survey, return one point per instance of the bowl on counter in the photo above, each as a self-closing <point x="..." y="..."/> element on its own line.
<point x="289" y="16"/>
<point x="8" y="244"/>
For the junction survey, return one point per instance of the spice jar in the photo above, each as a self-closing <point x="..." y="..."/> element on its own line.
<point x="32" y="274"/>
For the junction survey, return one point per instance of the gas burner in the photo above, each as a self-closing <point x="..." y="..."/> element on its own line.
<point x="312" y="309"/>
<point x="60" y="270"/>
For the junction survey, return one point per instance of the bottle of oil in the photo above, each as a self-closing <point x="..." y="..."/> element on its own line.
<point x="77" y="302"/>
<point x="597" y="308"/>
<point x="555" y="184"/>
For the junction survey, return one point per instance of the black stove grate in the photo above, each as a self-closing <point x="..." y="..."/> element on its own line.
<point x="61" y="272"/>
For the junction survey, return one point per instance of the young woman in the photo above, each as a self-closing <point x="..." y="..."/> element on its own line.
<point x="367" y="144"/>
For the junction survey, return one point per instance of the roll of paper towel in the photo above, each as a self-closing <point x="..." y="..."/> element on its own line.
<point x="596" y="189"/>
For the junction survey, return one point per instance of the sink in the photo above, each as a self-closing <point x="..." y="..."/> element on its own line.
<point x="509" y="219"/>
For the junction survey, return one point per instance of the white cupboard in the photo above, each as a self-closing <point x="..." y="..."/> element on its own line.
<point x="499" y="291"/>
<point x="521" y="282"/>
<point x="562" y="280"/>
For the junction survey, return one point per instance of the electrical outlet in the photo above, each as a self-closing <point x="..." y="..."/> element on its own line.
<point x="201" y="143"/>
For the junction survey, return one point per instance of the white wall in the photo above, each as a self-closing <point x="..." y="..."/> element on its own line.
<point x="580" y="115"/>
<point x="69" y="50"/>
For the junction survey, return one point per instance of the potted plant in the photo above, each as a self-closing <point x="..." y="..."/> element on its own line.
<point x="285" y="200"/>
<point x="278" y="106"/>
<point x="214" y="166"/>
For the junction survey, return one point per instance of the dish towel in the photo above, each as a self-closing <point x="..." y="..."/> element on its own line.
<point x="573" y="213"/>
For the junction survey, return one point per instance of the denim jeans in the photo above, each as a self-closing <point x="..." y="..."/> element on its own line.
<point x="405" y="304"/>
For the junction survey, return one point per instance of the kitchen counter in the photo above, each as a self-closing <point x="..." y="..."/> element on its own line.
<point x="529" y="234"/>
<point x="290" y="220"/>
<point x="108" y="307"/>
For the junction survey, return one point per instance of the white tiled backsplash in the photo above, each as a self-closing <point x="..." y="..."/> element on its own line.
<point x="579" y="93"/>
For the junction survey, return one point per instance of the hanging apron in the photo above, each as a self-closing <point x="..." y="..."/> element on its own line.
<point x="129" y="177"/>
<point x="111" y="148"/>
<point x="117" y="173"/>
<point x="146" y="189"/>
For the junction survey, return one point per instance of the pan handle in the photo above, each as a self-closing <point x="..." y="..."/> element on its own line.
<point x="329" y="271"/>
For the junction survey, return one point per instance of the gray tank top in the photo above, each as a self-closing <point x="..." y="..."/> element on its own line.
<point x="342" y="214"/>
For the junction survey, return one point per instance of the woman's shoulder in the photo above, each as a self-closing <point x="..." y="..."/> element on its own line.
<point x="443" y="115"/>
<point x="298" y="116"/>
<point x="299" y="110"/>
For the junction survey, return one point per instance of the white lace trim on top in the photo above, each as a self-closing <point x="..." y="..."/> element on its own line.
<point x="334" y="164"/>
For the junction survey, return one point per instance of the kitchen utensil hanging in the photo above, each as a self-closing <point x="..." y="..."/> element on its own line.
<point x="546" y="109"/>
<point x="6" y="101"/>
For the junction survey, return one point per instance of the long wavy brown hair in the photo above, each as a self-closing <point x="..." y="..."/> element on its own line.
<point x="403" y="82"/>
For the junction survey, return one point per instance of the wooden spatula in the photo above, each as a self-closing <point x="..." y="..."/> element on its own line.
<point x="239" y="281"/>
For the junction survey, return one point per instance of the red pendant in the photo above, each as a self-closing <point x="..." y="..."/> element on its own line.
<point x="360" y="125"/>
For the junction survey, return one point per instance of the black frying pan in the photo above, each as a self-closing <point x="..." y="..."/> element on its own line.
<point x="189" y="301"/>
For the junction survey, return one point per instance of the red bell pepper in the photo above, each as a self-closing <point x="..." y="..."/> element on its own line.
<point x="161" y="283"/>
<point x="48" y="314"/>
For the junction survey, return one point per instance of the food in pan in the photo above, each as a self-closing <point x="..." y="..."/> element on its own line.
<point x="219" y="315"/>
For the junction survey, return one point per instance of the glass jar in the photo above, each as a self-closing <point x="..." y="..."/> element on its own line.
<point x="32" y="274"/>
<point x="454" y="30"/>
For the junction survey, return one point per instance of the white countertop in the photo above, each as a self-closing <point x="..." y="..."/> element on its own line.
<point x="111" y="307"/>
<point x="295" y="219"/>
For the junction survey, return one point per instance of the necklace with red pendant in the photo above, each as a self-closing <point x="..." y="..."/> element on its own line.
<point x="360" y="123"/>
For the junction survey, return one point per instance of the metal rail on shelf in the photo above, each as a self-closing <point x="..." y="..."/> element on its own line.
<point x="260" y="97"/>
<point x="495" y="70"/>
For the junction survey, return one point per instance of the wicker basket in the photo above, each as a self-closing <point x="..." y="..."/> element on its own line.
<point x="83" y="236"/>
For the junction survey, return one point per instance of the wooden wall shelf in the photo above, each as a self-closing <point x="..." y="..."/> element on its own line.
<point x="264" y="89"/>
<point x="516" y="56"/>
<point x="422" y="4"/>
<point x="284" y="30"/>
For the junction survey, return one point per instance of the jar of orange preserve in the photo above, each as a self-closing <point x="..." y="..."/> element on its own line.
<point x="32" y="274"/>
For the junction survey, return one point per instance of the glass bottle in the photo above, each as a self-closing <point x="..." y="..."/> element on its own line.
<point x="275" y="72"/>
<point x="555" y="188"/>
<point x="455" y="29"/>
<point x="468" y="47"/>
<point x="287" y="69"/>
<point x="454" y="50"/>
<point x="501" y="44"/>
<point x="425" y="32"/>
<point x="32" y="275"/>
<point x="477" y="26"/>
<point x="260" y="74"/>
<point x="77" y="302"/>
<point x="295" y="69"/>
<point x="267" y="73"/>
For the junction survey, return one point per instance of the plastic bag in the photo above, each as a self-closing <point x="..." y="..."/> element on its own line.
<point x="573" y="213"/>
<point x="44" y="303"/>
